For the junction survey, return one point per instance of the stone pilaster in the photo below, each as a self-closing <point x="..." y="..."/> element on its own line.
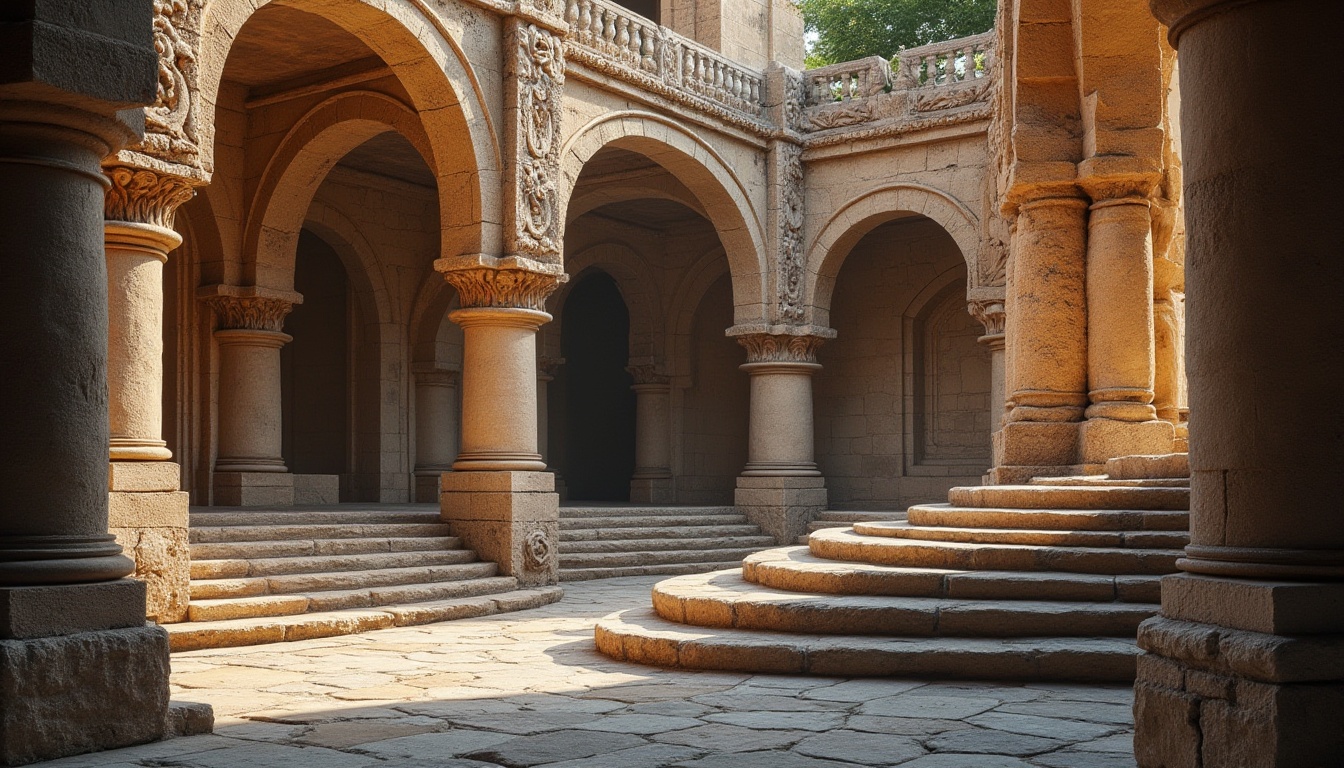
<point x="534" y="81"/>
<point x="249" y="467"/>
<point x="652" y="481"/>
<point x="1245" y="664"/>
<point x="990" y="313"/>
<point x="435" y="427"/>
<point x="500" y="499"/>
<point x="781" y="489"/>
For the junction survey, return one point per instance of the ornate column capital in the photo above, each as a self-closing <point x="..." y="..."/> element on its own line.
<point x="1115" y="179"/>
<point x="990" y="313"/>
<point x="144" y="196"/>
<point x="781" y="344"/>
<point x="248" y="307"/>
<point x="648" y="375"/>
<point x="512" y="283"/>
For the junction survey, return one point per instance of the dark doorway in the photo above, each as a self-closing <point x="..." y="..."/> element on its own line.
<point x="599" y="406"/>
<point x="313" y="367"/>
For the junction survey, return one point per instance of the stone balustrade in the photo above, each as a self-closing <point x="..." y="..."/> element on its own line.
<point x="848" y="81"/>
<point x="637" y="46"/>
<point x="948" y="63"/>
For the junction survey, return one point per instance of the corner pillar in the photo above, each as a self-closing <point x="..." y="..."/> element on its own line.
<point x="780" y="489"/>
<point x="499" y="497"/>
<point x="652" y="481"/>
<point x="435" y="427"/>
<point x="1245" y="663"/>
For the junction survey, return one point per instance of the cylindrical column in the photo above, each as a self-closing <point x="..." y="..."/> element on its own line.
<point x="136" y="254"/>
<point x="1046" y="312"/>
<point x="991" y="315"/>
<point x="499" y="388"/>
<point x="1168" y="345"/>
<point x="435" y="420"/>
<point x="780" y="431"/>
<point x="653" y="409"/>
<point x="1120" y="309"/>
<point x="250" y="436"/>
<point x="53" y="481"/>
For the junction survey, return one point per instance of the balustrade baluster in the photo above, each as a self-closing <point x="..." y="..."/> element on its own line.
<point x="622" y="35"/>
<point x="585" y="23"/>
<point x="647" y="53"/>
<point x="609" y="31"/>
<point x="572" y="12"/>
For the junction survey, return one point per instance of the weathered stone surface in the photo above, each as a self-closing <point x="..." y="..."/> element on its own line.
<point x="46" y="611"/>
<point x="162" y="562"/>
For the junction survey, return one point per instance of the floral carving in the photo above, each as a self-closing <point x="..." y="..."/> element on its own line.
<point x="539" y="65"/>
<point x="538" y="552"/>
<point x="990" y="314"/>
<point x="848" y="113"/>
<point x="516" y="288"/>
<point x="780" y="348"/>
<point x="170" y="124"/>
<point x="144" y="196"/>
<point x="948" y="98"/>
<point x="647" y="374"/>
<point x="253" y="313"/>
<point x="789" y="179"/>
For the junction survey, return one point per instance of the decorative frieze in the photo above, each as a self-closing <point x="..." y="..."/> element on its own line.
<point x="253" y="313"/>
<point x="144" y="196"/>
<point x="991" y="315"/>
<point x="513" y="288"/>
<point x="780" y="348"/>
<point x="535" y="78"/>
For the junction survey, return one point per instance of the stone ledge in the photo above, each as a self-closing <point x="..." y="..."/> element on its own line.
<point x="1250" y="655"/>
<point x="68" y="609"/>
<point x="1272" y="607"/>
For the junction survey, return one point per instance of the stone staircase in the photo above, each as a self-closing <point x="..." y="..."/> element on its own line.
<point x="841" y="518"/>
<point x="601" y="541"/>
<point x="275" y="575"/>
<point x="1046" y="581"/>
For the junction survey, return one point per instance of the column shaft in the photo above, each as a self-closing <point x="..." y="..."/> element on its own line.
<point x="1120" y="310"/>
<point x="250" y="436"/>
<point x="499" y="388"/>
<point x="780" y="441"/>
<point x="653" y="441"/>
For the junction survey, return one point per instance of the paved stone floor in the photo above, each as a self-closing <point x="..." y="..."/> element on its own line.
<point x="527" y="689"/>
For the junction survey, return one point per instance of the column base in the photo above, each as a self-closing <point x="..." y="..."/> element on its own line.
<point x="79" y="671"/>
<point x="652" y="490"/>
<point x="511" y="518"/>
<point x="1102" y="439"/>
<point x="148" y="515"/>
<point x="781" y="506"/>
<point x="317" y="489"/>
<point x="254" y="489"/>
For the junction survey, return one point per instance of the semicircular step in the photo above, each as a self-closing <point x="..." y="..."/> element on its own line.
<point x="1069" y="497"/>
<point x="1063" y="538"/>
<point x="947" y="515"/>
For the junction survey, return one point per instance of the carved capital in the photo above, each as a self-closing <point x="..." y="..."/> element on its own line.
<point x="535" y="80"/>
<point x="990" y="314"/>
<point x="786" y="180"/>
<point x="253" y="313"/>
<point x="780" y="348"/>
<point x="513" y="288"/>
<point x="647" y="374"/>
<point x="144" y="196"/>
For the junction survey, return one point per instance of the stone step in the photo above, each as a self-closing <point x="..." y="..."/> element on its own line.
<point x="678" y="532"/>
<point x="946" y="515"/>
<point x="568" y="548"/>
<point x="587" y="523"/>
<point x="724" y="599"/>
<point x="796" y="569"/>
<point x="289" y="605"/>
<point x="845" y="544"/>
<point x="207" y="589"/>
<point x="303" y="547"/>
<point x="271" y="566"/>
<point x="1117" y="539"/>
<point x="665" y="569"/>
<point x="326" y="516"/>
<point x="639" y="510"/>
<point x="256" y="631"/>
<point x="857" y="515"/>
<point x="210" y="534"/>
<point x="666" y="557"/>
<point x="1113" y="482"/>
<point x="1069" y="497"/>
<point x="642" y="637"/>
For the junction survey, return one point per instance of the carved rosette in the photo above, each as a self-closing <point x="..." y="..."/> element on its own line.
<point x="538" y="552"/>
<point x="990" y="314"/>
<point x="780" y="348"/>
<point x="252" y="313"/>
<point x="535" y="82"/>
<point x="511" y="288"/>
<point x="143" y="196"/>
<point x="647" y="374"/>
<point x="788" y="173"/>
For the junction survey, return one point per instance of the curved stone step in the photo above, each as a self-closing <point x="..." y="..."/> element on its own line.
<point x="723" y="599"/>
<point x="667" y="557"/>
<point x="665" y="569"/>
<point x="299" y="516"/>
<point x="205" y="589"/>
<point x="272" y="566"/>
<point x="661" y="545"/>
<point x="678" y="532"/>
<point x="237" y="632"/>
<point x="796" y="569"/>
<point x="584" y="523"/>
<point x="203" y="534"/>
<point x="845" y="544"/>
<point x="291" y="604"/>
<point x="1117" y="539"/>
<point x="642" y="637"/>
<point x="1069" y="497"/>
<point x="248" y="550"/>
<point x="947" y="515"/>
<point x="1114" y="482"/>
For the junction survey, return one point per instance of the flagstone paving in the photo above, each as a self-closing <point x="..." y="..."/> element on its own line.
<point x="528" y="689"/>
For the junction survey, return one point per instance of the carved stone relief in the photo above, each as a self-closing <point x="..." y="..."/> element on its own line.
<point x="144" y="196"/>
<point x="490" y="287"/>
<point x="253" y="313"/>
<point x="792" y="270"/>
<point x="538" y="65"/>
<point x="948" y="98"/>
<point x="849" y="113"/>
<point x="537" y="551"/>
<point x="170" y="124"/>
<point x="780" y="348"/>
<point x="990" y="314"/>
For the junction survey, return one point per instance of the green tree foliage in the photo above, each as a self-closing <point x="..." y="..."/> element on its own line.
<point x="852" y="29"/>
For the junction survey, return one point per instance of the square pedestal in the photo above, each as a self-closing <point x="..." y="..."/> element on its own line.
<point x="1103" y="439"/>
<point x="148" y="515"/>
<point x="254" y="489"/>
<point x="1026" y="449"/>
<point x="511" y="518"/>
<point x="652" y="490"/>
<point x="425" y="487"/>
<point x="317" y="489"/>
<point x="781" y="506"/>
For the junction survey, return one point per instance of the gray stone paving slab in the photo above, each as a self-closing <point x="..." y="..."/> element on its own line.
<point x="1049" y="727"/>
<point x="527" y="751"/>
<point x="987" y="741"/>
<point x="787" y="721"/>
<point x="870" y="749"/>
<point x="454" y="743"/>
<point x="929" y="706"/>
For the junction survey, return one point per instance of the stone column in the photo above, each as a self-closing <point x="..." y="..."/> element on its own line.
<point x="547" y="368"/>
<point x="652" y="481"/>
<point x="500" y="499"/>
<point x="81" y="670"/>
<point x="1045" y="340"/>
<point x="781" y="489"/>
<point x="249" y="468"/>
<point x="148" y="511"/>
<point x="435" y="427"/>
<point x="1169" y="346"/>
<point x="1121" y="419"/>
<point x="1245" y="664"/>
<point x="991" y="315"/>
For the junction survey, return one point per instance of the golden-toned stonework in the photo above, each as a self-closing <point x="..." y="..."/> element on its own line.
<point x="516" y="288"/>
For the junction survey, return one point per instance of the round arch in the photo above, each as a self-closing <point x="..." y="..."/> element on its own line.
<point x="423" y="54"/>
<point x="358" y="256"/>
<point x="866" y="212"/>
<point x="696" y="165"/>
<point x="699" y="279"/>
<point x="637" y="287"/>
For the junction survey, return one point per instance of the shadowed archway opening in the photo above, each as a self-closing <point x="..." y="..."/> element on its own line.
<point x="594" y="390"/>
